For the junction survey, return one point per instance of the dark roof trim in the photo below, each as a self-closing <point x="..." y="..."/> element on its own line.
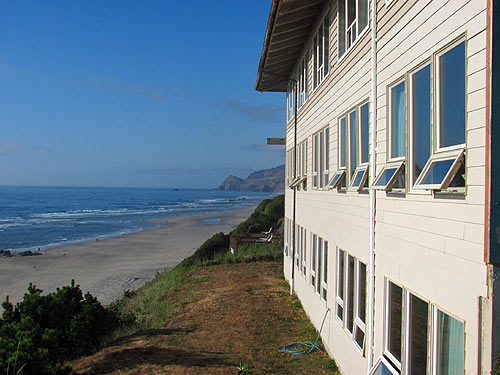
<point x="270" y="24"/>
<point x="289" y="26"/>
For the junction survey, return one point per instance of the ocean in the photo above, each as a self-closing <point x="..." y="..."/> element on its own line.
<point x="33" y="218"/>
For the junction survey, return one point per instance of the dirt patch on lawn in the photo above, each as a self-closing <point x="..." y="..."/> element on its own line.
<point x="230" y="314"/>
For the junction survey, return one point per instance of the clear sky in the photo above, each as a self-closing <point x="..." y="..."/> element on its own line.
<point x="134" y="93"/>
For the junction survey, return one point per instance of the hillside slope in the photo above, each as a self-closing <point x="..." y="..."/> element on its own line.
<point x="267" y="180"/>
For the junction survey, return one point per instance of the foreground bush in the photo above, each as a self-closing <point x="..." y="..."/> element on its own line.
<point x="41" y="332"/>
<point x="266" y="215"/>
<point x="218" y="243"/>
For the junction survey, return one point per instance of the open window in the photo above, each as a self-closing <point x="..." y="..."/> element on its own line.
<point x="442" y="171"/>
<point x="359" y="178"/>
<point x="388" y="177"/>
<point x="383" y="367"/>
<point x="336" y="179"/>
<point x="298" y="182"/>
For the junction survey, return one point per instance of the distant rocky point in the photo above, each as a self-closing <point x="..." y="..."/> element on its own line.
<point x="267" y="180"/>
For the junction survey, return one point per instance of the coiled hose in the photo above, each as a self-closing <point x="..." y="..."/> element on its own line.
<point x="304" y="347"/>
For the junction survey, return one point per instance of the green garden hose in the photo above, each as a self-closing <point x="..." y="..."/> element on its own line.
<point x="304" y="347"/>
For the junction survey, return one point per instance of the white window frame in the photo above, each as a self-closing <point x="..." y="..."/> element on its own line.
<point x="290" y="101"/>
<point x="303" y="78"/>
<point x="339" y="302"/>
<point x="459" y="158"/>
<point x="434" y="337"/>
<point x="389" y="122"/>
<point x="319" y="73"/>
<point x="335" y="180"/>
<point x="320" y="143"/>
<point x="358" y="323"/>
<point x="324" y="275"/>
<point x="387" y="303"/>
<point x="360" y="134"/>
<point x="386" y="363"/>
<point x="399" y="168"/>
<point x="361" y="169"/>
<point x="432" y="330"/>
<point x="437" y="96"/>
<point x="359" y="33"/>
<point x="411" y="124"/>
<point x="304" y="252"/>
<point x="314" y="256"/>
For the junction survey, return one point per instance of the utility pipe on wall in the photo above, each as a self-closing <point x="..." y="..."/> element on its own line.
<point x="292" y="281"/>
<point x="373" y="139"/>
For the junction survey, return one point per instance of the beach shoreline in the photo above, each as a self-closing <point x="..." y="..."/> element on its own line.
<point x="108" y="267"/>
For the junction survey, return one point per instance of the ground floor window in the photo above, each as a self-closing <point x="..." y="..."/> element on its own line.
<point x="350" y="299"/>
<point x="420" y="338"/>
<point x="319" y="266"/>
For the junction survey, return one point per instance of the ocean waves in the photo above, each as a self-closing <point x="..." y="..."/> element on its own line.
<point x="51" y="217"/>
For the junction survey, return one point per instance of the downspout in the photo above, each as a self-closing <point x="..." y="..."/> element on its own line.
<point x="292" y="281"/>
<point x="373" y="139"/>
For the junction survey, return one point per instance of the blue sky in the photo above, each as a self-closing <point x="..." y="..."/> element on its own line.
<point x="134" y="93"/>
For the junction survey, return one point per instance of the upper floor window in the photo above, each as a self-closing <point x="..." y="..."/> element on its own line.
<point x="321" y="158"/>
<point x="290" y="100"/>
<point x="303" y="81"/>
<point x="321" y="52"/>
<point x="433" y="156"/>
<point x="353" y="150"/>
<point x="300" y="181"/>
<point x="353" y="20"/>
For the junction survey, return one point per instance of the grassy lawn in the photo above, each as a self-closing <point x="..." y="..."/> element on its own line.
<point x="212" y="318"/>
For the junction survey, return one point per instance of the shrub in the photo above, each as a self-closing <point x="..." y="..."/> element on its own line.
<point x="41" y="332"/>
<point x="266" y="215"/>
<point x="218" y="243"/>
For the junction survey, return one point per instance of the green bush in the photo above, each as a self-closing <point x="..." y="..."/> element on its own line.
<point x="42" y="332"/>
<point x="218" y="243"/>
<point x="266" y="215"/>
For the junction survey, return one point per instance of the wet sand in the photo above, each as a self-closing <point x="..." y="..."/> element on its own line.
<point x="108" y="267"/>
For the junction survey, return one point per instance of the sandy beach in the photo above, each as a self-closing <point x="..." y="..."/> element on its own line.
<point x="106" y="268"/>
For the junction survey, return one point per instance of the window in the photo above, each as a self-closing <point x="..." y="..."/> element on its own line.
<point x="290" y="100"/>
<point x="314" y="249"/>
<point x="383" y="367"/>
<point x="321" y="52"/>
<point x="448" y="344"/>
<point x="420" y="120"/>
<point x="301" y="180"/>
<point x="437" y="143"/>
<point x="288" y="236"/>
<point x="297" y="248"/>
<point x="364" y="133"/>
<point x="353" y="150"/>
<point x="337" y="179"/>
<point x="340" y="284"/>
<point x="290" y="167"/>
<point x="416" y="339"/>
<point x="353" y="20"/>
<point x="388" y="177"/>
<point x="301" y="252"/>
<point x="359" y="179"/>
<point x="351" y="296"/>
<point x="304" y="251"/>
<point x="303" y="81"/>
<point x="445" y="169"/>
<point x="321" y="158"/>
<point x="434" y="341"/>
<point x="319" y="265"/>
<point x="393" y="322"/>
<point x="397" y="116"/>
<point x="451" y="76"/>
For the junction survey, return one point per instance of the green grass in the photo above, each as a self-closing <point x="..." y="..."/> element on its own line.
<point x="153" y="303"/>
